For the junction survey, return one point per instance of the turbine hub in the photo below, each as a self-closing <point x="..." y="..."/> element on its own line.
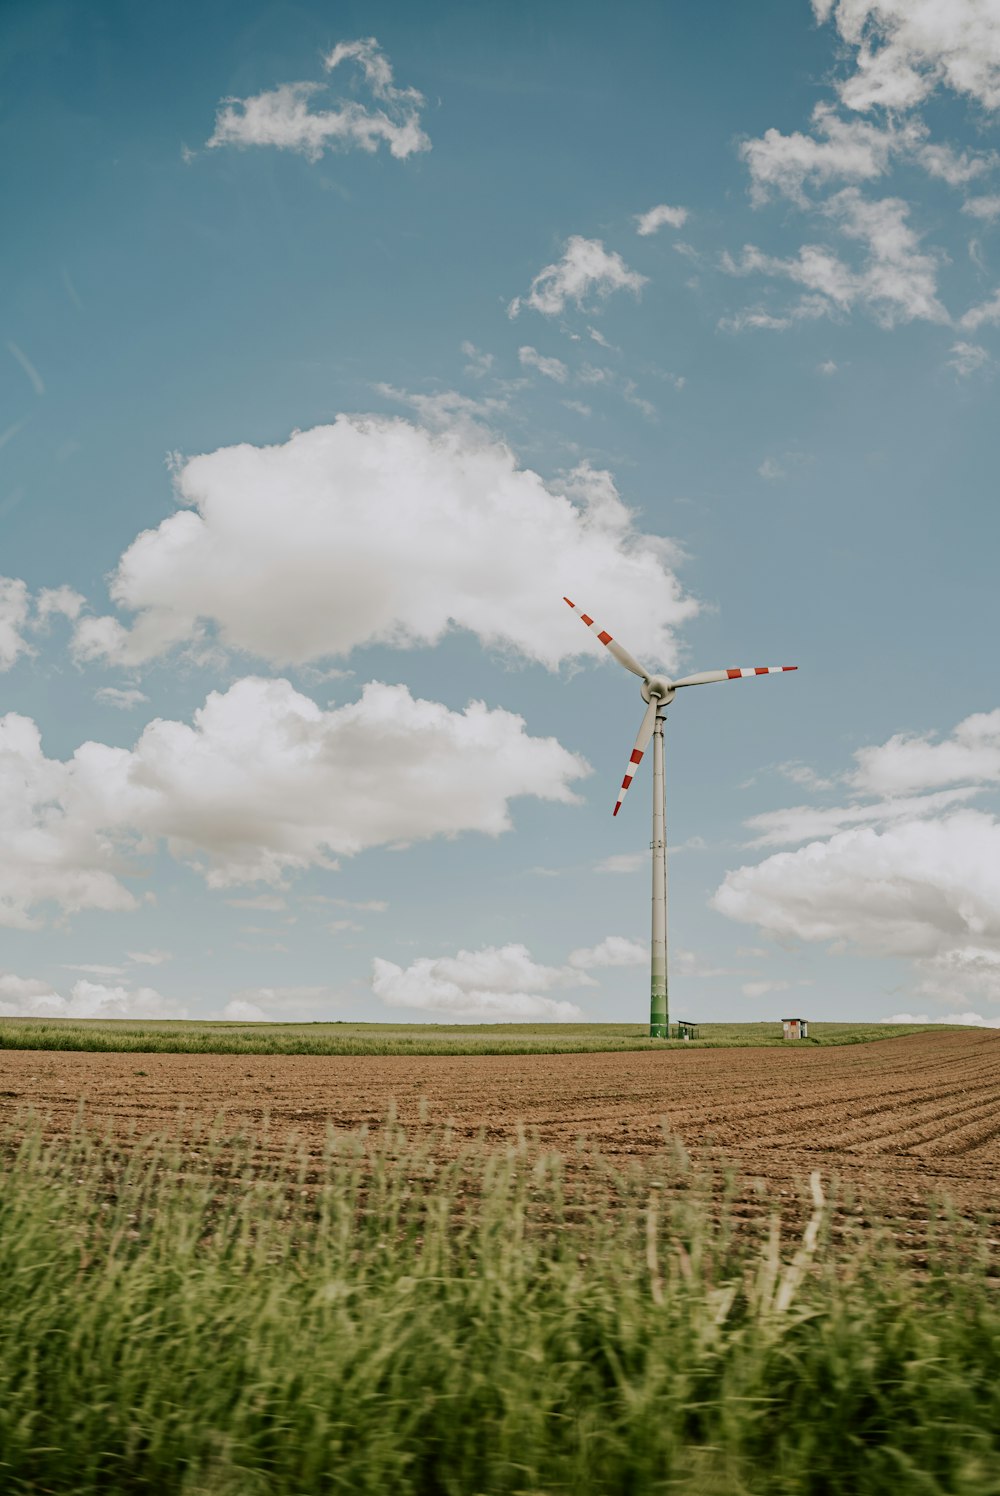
<point x="658" y="688"/>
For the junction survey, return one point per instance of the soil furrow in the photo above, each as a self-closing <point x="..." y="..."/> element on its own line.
<point x="900" y="1120"/>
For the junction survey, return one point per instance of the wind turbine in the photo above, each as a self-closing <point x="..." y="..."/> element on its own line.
<point x="658" y="692"/>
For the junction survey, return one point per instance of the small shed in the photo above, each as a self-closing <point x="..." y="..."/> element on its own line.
<point x="795" y="1028"/>
<point x="686" y="1029"/>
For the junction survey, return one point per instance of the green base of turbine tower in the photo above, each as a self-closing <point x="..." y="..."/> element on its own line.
<point x="659" y="1028"/>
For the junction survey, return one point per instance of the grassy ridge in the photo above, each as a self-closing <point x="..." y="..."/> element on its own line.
<point x="148" y="1037"/>
<point x="212" y="1323"/>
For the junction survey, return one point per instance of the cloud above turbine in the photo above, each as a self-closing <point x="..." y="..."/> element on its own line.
<point x="376" y="530"/>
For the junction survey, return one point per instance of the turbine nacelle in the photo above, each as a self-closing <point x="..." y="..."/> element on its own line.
<point x="657" y="688"/>
<point x="659" y="691"/>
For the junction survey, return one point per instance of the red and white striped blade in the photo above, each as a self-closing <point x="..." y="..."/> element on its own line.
<point x="620" y="653"/>
<point x="708" y="676"/>
<point x="645" y="733"/>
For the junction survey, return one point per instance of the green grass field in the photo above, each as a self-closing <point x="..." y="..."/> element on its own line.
<point x="400" y="1038"/>
<point x="219" y="1322"/>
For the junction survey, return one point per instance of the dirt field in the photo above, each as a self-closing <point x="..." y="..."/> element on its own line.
<point x="899" y="1120"/>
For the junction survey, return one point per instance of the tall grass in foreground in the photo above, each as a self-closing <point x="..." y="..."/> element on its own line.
<point x="185" y="1037"/>
<point x="226" y="1322"/>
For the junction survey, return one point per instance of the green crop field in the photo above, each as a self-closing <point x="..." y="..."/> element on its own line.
<point x="217" y="1321"/>
<point x="129" y="1035"/>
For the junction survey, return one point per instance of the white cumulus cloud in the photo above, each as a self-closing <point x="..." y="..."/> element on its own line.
<point x="905" y="49"/>
<point x="304" y="1004"/>
<point x="284" y="117"/>
<point x="24" y="997"/>
<point x="957" y="168"/>
<point x="375" y="530"/>
<point x="62" y="602"/>
<point x="853" y="151"/>
<point x="499" y="984"/>
<point x="262" y="783"/>
<point x="265" y="781"/>
<point x="843" y="150"/>
<point x="52" y="820"/>
<point x="918" y="888"/>
<point x="954" y="974"/>
<point x="586" y="269"/>
<point x="909" y="763"/>
<point x="914" y="874"/>
<point x="987" y="208"/>
<point x="240" y="1010"/>
<point x="614" y="950"/>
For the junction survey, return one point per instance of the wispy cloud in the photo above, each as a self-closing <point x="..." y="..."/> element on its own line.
<point x="284" y="117"/>
<point x="897" y="282"/>
<point x="987" y="313"/>
<point x="480" y="364"/>
<point x="10" y="432"/>
<point x="623" y="862"/>
<point x="552" y="368"/>
<point x="37" y="382"/>
<point x="586" y="269"/>
<point x="773" y="469"/>
<point x="14" y="609"/>
<point x="497" y="983"/>
<point x="968" y="359"/>
<point x="655" y="218"/>
<point x="124" y="698"/>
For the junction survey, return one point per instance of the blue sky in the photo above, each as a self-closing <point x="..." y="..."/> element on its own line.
<point x="339" y="342"/>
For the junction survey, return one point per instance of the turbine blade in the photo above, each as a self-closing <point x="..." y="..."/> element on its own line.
<point x="613" y="647"/>
<point x="635" y="758"/>
<point x="706" y="677"/>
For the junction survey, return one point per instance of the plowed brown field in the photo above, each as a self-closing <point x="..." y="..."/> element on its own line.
<point x="897" y="1120"/>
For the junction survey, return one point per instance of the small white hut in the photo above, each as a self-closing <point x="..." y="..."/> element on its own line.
<point x="795" y="1028"/>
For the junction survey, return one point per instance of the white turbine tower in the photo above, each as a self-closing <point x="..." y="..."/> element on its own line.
<point x="658" y="691"/>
